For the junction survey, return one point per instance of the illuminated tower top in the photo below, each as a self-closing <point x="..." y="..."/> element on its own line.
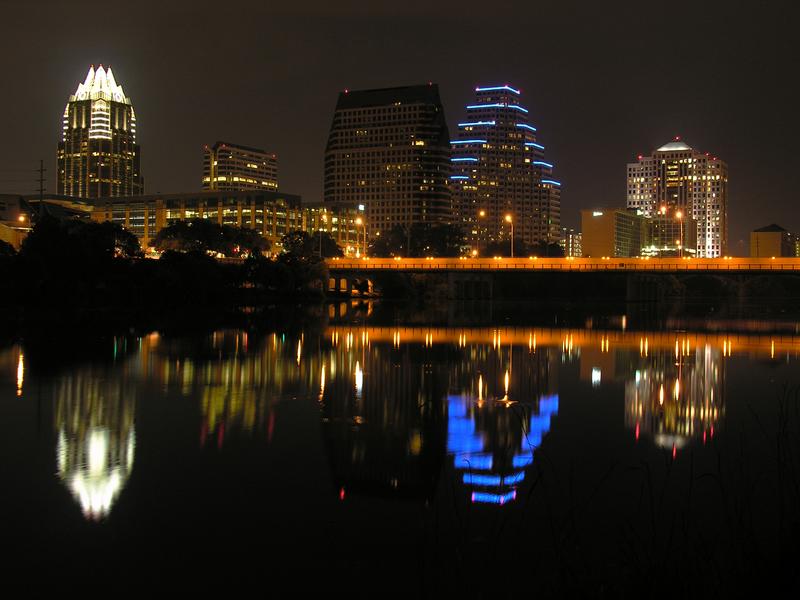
<point x="98" y="155"/>
<point x="100" y="84"/>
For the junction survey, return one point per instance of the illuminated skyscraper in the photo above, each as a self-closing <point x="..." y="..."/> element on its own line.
<point x="499" y="170"/>
<point x="98" y="155"/>
<point x="678" y="180"/>
<point x="230" y="167"/>
<point x="388" y="151"/>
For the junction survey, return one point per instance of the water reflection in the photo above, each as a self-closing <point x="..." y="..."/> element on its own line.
<point x="399" y="407"/>
<point x="492" y="442"/>
<point x="674" y="398"/>
<point x="94" y="421"/>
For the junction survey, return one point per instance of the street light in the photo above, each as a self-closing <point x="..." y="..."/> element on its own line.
<point x="481" y="232"/>
<point x="360" y="222"/>
<point x="325" y="221"/>
<point x="679" y="216"/>
<point x="511" y="221"/>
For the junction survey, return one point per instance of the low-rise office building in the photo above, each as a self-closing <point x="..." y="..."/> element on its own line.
<point x="612" y="232"/>
<point x="273" y="214"/>
<point x="772" y="240"/>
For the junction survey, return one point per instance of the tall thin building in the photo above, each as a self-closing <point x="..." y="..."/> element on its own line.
<point x="388" y="151"/>
<point x="677" y="179"/>
<point x="231" y="167"/>
<point x="98" y="155"/>
<point x="499" y="173"/>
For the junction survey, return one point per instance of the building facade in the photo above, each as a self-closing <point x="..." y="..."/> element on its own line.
<point x="388" y="152"/>
<point x="772" y="240"/>
<point x="570" y="242"/>
<point x="612" y="232"/>
<point x="231" y="167"/>
<point x="669" y="236"/>
<point x="98" y="155"/>
<point x="679" y="178"/>
<point x="499" y="173"/>
<point x="272" y="214"/>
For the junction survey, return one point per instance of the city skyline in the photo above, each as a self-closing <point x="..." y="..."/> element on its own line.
<point x="600" y="115"/>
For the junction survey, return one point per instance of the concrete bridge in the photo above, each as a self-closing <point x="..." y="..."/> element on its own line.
<point x="633" y="278"/>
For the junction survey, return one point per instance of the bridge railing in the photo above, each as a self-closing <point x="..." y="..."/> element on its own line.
<point x="567" y="264"/>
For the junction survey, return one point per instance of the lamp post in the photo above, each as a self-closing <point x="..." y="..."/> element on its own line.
<point x="679" y="216"/>
<point x="324" y="218"/>
<point x="510" y="220"/>
<point x="481" y="232"/>
<point x="360" y="223"/>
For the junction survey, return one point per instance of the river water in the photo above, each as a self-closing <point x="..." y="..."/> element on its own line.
<point x="363" y="456"/>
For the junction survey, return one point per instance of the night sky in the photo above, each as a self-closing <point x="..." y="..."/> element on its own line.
<point x="604" y="81"/>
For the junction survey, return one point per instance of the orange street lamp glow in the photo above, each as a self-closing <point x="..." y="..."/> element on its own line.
<point x="511" y="221"/>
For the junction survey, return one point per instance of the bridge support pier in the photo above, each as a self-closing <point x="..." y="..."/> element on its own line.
<point x="470" y="286"/>
<point x="641" y="287"/>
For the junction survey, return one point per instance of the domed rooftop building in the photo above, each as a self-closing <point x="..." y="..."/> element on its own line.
<point x="679" y="181"/>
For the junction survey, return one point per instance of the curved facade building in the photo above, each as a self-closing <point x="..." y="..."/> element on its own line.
<point x="499" y="170"/>
<point x="388" y="152"/>
<point x="98" y="155"/>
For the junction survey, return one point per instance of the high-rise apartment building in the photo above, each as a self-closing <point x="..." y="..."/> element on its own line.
<point x="675" y="179"/>
<point x="499" y="173"/>
<point x="388" y="151"/>
<point x="235" y="168"/>
<point x="98" y="155"/>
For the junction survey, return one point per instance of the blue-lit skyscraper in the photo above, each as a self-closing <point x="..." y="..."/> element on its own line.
<point x="499" y="174"/>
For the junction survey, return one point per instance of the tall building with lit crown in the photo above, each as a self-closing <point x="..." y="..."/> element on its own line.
<point x="499" y="172"/>
<point x="388" y="152"/>
<point x="231" y="167"/>
<point x="677" y="179"/>
<point x="98" y="155"/>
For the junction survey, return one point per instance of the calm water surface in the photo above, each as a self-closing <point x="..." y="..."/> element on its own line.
<point x="357" y="457"/>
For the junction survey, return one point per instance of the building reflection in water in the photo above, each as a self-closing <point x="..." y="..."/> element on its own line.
<point x="382" y="416"/>
<point x="94" y="421"/>
<point x="396" y="401"/>
<point x="493" y="441"/>
<point x="675" y="397"/>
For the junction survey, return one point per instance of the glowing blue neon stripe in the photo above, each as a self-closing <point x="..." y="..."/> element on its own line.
<point x="496" y="88"/>
<point x="513" y="479"/>
<point x="485" y="498"/>
<point x="474" y="461"/>
<point x="544" y="164"/>
<point x="522" y="460"/>
<point x="495" y="105"/>
<point x="467" y="141"/>
<point x="518" y="107"/>
<point x="551" y="182"/>
<point x="535" y="145"/>
<point x="463" y="160"/>
<point x="459" y="177"/>
<point x="485" y="480"/>
<point x="526" y="126"/>
<point x="474" y="123"/>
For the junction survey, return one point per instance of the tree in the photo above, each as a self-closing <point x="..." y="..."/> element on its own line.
<point x="422" y="239"/>
<point x="77" y="240"/>
<point x="6" y="250"/>
<point x="302" y="244"/>
<point x="204" y="235"/>
<point x="503" y="248"/>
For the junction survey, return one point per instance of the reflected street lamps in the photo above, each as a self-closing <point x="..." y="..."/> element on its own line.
<point x="510" y="220"/>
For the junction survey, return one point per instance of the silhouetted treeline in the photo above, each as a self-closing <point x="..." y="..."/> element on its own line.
<point x="87" y="265"/>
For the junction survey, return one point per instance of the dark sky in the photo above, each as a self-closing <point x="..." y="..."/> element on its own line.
<point x="604" y="81"/>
